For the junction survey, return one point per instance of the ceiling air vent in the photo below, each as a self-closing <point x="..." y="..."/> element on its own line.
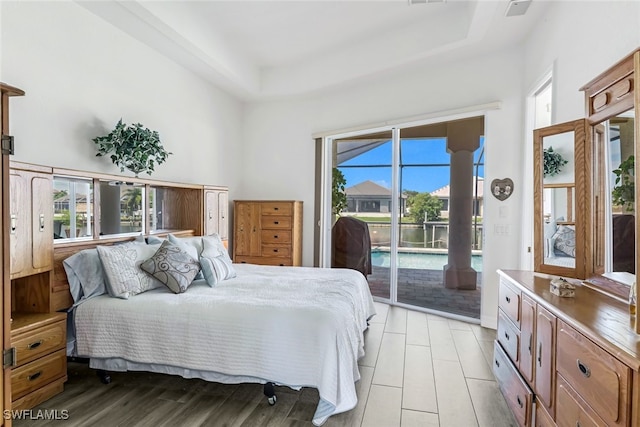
<point x="425" y="1"/>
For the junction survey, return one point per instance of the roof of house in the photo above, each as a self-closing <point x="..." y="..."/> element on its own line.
<point x="443" y="192"/>
<point x="367" y="188"/>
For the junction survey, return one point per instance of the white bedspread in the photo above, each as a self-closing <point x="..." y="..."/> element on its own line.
<point x="293" y="326"/>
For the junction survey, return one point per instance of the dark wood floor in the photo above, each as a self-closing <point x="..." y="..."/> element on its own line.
<point x="419" y="370"/>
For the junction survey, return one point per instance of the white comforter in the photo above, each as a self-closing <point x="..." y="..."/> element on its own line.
<point x="292" y="326"/>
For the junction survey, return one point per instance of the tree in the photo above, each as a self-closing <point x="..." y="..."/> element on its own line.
<point x="424" y="204"/>
<point x="338" y="196"/>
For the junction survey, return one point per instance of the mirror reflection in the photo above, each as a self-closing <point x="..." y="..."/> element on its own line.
<point x="72" y="208"/>
<point x="121" y="205"/>
<point x="558" y="200"/>
<point x="619" y="195"/>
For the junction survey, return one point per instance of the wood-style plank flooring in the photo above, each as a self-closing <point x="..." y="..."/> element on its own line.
<point x="419" y="370"/>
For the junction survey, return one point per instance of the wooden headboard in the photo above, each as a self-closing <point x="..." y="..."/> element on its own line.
<point x="60" y="295"/>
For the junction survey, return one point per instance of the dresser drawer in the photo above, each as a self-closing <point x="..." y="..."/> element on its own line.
<point x="276" y="250"/>
<point x="33" y="375"/>
<point x="601" y="380"/>
<point x="276" y="208"/>
<point x="275" y="222"/>
<point x="31" y="345"/>
<point x="275" y="236"/>
<point x="263" y="260"/>
<point x="509" y="337"/>
<point x="509" y="302"/>
<point x="518" y="396"/>
<point x="543" y="419"/>
<point x="572" y="410"/>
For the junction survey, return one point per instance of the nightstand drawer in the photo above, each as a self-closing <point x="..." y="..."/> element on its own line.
<point x="34" y="375"/>
<point x="603" y="381"/>
<point x="275" y="222"/>
<point x="275" y="236"/>
<point x="31" y="345"/>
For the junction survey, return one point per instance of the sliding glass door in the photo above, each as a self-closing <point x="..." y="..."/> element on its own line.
<point x="397" y="185"/>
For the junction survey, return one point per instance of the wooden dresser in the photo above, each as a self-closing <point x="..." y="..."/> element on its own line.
<point x="565" y="361"/>
<point x="267" y="232"/>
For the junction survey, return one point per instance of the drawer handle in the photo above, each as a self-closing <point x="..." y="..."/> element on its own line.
<point x="41" y="222"/>
<point x="540" y="353"/>
<point x="276" y="222"/>
<point x="14" y="220"/>
<point x="519" y="402"/>
<point x="506" y="335"/>
<point x="34" y="345"/>
<point x="497" y="363"/>
<point x="281" y="265"/>
<point x="275" y="236"/>
<point x="34" y="376"/>
<point x="276" y="209"/>
<point x="530" y="341"/>
<point x="584" y="369"/>
<point x="243" y="262"/>
<point x="508" y="299"/>
<point x="275" y="250"/>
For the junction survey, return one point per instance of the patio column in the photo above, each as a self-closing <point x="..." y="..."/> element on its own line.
<point x="463" y="138"/>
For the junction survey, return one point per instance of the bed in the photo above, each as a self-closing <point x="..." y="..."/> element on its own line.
<point x="291" y="326"/>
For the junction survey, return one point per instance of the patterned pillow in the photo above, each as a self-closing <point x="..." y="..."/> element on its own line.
<point x="215" y="261"/>
<point x="191" y="245"/>
<point x="121" y="264"/>
<point x="565" y="240"/>
<point x="172" y="266"/>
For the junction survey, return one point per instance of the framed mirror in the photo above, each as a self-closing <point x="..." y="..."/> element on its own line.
<point x="559" y="215"/>
<point x="614" y="198"/>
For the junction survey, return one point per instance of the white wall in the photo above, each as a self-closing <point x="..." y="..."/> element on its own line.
<point x="81" y="75"/>
<point x="279" y="151"/>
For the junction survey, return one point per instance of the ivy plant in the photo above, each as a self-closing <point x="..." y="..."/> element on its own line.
<point x="132" y="147"/>
<point x="623" y="193"/>
<point x="552" y="162"/>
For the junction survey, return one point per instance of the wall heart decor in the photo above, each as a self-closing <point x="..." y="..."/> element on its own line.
<point x="502" y="188"/>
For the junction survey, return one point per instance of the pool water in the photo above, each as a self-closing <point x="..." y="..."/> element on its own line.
<point x="426" y="261"/>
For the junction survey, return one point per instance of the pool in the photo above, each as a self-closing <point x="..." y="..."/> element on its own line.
<point x="426" y="261"/>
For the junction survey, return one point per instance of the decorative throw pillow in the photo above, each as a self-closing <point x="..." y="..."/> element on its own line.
<point x="191" y="245"/>
<point x="154" y="240"/>
<point x="85" y="275"/>
<point x="172" y="266"/>
<point x="121" y="264"/>
<point x="215" y="261"/>
<point x="565" y="240"/>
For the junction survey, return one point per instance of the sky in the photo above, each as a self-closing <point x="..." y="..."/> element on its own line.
<point x="413" y="152"/>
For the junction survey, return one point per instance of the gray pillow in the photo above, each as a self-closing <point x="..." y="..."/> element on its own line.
<point x="85" y="275"/>
<point x="215" y="261"/>
<point x="172" y="266"/>
<point x="565" y="240"/>
<point x="191" y="245"/>
<point x="154" y="240"/>
<point x="121" y="264"/>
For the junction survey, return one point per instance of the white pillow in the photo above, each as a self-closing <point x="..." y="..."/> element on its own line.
<point x="121" y="264"/>
<point x="215" y="261"/>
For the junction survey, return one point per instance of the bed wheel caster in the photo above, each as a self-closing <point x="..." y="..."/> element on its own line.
<point x="104" y="376"/>
<point x="270" y="393"/>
